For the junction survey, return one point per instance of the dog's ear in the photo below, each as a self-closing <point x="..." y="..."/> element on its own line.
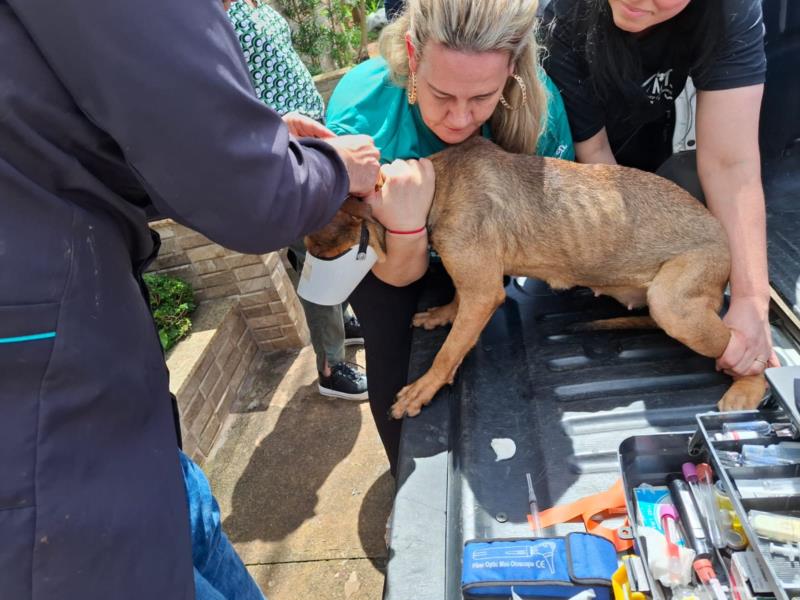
<point x="379" y="235"/>
<point x="357" y="208"/>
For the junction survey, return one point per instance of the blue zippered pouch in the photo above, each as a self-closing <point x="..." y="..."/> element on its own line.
<point x="556" y="567"/>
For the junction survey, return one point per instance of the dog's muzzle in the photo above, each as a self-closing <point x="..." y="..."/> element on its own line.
<point x="330" y="281"/>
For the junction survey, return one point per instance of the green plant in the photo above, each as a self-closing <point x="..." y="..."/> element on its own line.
<point x="327" y="28"/>
<point x="171" y="302"/>
<point x="373" y="6"/>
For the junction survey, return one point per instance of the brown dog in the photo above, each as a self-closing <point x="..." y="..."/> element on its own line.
<point x="622" y="232"/>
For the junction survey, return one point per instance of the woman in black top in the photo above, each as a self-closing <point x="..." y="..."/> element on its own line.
<point x="620" y="65"/>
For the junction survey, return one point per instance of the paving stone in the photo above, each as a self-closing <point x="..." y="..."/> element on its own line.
<point x="322" y="580"/>
<point x="209" y="434"/>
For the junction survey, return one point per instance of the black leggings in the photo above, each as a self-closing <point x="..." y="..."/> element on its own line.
<point x="385" y="313"/>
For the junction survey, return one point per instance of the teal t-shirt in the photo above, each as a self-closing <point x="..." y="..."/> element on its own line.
<point x="366" y="101"/>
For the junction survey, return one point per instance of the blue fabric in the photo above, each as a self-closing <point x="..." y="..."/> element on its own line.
<point x="535" y="568"/>
<point x="591" y="559"/>
<point x="219" y="573"/>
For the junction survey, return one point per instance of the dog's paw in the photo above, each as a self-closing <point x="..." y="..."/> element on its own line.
<point x="745" y="393"/>
<point x="435" y="317"/>
<point x="413" y="397"/>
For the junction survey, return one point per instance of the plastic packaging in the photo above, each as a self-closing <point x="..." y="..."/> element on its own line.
<point x="783" y="453"/>
<point x="777" y="487"/>
<point x="773" y="526"/>
<point x="762" y="428"/>
<point x="706" y="487"/>
<point x="731" y="436"/>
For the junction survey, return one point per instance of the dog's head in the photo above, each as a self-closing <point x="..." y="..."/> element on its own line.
<point x="344" y="231"/>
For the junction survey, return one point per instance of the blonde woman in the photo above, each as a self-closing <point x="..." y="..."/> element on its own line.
<point x="450" y="69"/>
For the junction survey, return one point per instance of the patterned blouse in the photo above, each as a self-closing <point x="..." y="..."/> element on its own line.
<point x="280" y="78"/>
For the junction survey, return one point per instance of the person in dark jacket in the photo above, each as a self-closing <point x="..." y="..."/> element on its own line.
<point x="108" y="111"/>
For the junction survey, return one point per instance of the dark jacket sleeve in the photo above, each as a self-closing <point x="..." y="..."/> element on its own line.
<point x="167" y="81"/>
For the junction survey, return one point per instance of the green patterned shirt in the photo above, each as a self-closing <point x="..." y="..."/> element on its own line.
<point x="280" y="78"/>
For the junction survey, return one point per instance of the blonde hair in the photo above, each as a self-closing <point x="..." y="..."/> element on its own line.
<point x="479" y="26"/>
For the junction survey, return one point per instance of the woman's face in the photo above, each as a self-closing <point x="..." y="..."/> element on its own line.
<point x="457" y="92"/>
<point x="636" y="16"/>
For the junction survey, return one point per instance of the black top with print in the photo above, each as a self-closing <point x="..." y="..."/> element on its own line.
<point x="739" y="61"/>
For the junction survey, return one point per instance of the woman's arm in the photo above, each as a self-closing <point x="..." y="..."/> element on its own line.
<point x="596" y="149"/>
<point x="729" y="166"/>
<point x="406" y="259"/>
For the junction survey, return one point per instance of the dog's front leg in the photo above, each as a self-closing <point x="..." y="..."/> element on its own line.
<point x="474" y="311"/>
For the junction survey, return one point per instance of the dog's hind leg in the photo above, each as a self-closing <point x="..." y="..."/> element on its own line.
<point x="437" y="316"/>
<point x="477" y="302"/>
<point x="684" y="298"/>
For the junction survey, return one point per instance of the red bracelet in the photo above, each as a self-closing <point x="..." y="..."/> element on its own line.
<point x="420" y="230"/>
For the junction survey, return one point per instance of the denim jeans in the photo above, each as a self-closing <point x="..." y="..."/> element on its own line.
<point x="219" y="573"/>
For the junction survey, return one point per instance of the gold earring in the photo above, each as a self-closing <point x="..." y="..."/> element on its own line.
<point x="412" y="90"/>
<point x="524" y="91"/>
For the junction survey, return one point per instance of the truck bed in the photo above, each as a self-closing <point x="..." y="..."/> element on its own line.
<point x="566" y="400"/>
<point x="782" y="191"/>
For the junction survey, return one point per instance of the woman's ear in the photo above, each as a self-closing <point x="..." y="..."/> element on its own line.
<point x="412" y="55"/>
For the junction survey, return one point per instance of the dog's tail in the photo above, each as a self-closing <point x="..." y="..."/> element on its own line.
<point x="617" y="323"/>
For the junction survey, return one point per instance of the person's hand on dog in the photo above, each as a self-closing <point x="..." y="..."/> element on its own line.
<point x="361" y="159"/>
<point x="749" y="350"/>
<point x="405" y="198"/>
<point x="302" y="126"/>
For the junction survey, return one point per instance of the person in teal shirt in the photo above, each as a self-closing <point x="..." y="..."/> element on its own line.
<point x="367" y="101"/>
<point x="449" y="69"/>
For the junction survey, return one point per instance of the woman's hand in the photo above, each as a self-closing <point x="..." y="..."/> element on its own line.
<point x="749" y="350"/>
<point x="405" y="198"/>
<point x="402" y="205"/>
<point x="302" y="126"/>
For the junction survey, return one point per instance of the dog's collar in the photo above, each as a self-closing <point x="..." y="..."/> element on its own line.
<point x="363" y="242"/>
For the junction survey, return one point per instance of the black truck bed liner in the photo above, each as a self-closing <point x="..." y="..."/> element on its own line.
<point x="782" y="191"/>
<point x="566" y="400"/>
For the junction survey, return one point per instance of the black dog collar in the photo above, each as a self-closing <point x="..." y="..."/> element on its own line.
<point x="363" y="243"/>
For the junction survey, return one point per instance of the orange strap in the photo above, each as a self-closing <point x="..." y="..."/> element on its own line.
<point x="605" y="504"/>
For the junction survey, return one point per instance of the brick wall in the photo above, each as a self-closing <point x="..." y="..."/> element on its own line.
<point x="206" y="377"/>
<point x="269" y="305"/>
